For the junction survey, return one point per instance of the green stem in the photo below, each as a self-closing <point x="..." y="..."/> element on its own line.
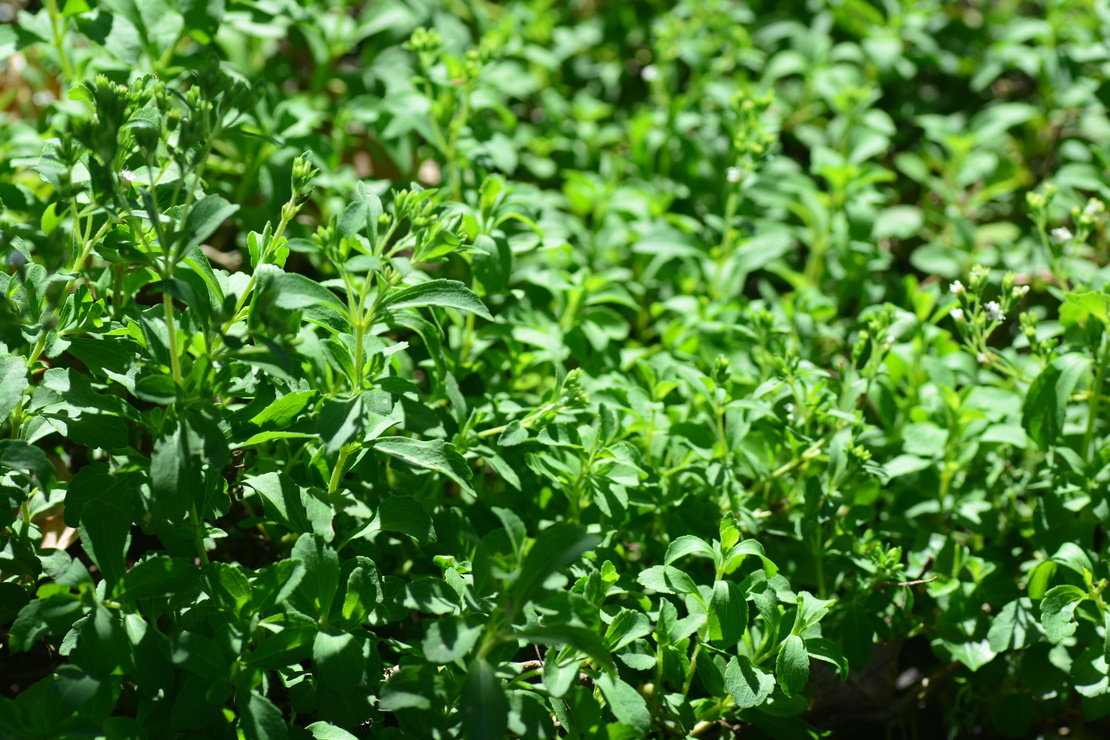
<point x="468" y="331"/>
<point x="236" y="315"/>
<point x="337" y="471"/>
<point x="1095" y="398"/>
<point x="171" y="328"/>
<point x="198" y="534"/>
<point x="819" y="562"/>
<point x="725" y="252"/>
<point x="59" y="40"/>
<point x="693" y="665"/>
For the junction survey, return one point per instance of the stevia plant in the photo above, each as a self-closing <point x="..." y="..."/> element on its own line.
<point x="416" y="369"/>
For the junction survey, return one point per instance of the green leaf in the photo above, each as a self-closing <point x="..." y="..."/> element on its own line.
<point x="157" y="575"/>
<point x="557" y="547"/>
<point x="1046" y="404"/>
<point x="1096" y="304"/>
<point x="198" y="654"/>
<point x="18" y="455"/>
<point x="406" y="515"/>
<point x="1038" y="578"/>
<point x="688" y="545"/>
<point x="514" y="434"/>
<point x="160" y="389"/>
<point x="322" y="566"/>
<point x="828" y="651"/>
<point x="668" y="580"/>
<point x="295" y="291"/>
<point x="13" y="381"/>
<point x="627" y="705"/>
<point x="341" y="420"/>
<point x="728" y="613"/>
<point x="281" y="500"/>
<point x="291" y="645"/>
<point x="442" y="293"/>
<point x="741" y="550"/>
<point x="338" y="661"/>
<point x="792" y="665"/>
<point x="328" y="731"/>
<point x="105" y="533"/>
<point x="810" y="610"/>
<point x="275" y="583"/>
<point x="227" y="586"/>
<point x="259" y="719"/>
<point x="749" y="685"/>
<point x="284" y="410"/>
<point x="203" y="219"/>
<point x="482" y="703"/>
<point x="1014" y="627"/>
<point x="629" y="625"/>
<point x="449" y="639"/>
<point x="581" y="639"/>
<point x="432" y="454"/>
<point x="1058" y="612"/>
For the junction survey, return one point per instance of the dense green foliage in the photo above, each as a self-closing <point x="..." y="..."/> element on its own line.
<point x="442" y="368"/>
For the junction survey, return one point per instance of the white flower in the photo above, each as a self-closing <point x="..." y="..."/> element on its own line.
<point x="957" y="314"/>
<point x="126" y="177"/>
<point x="1020" y="291"/>
<point x="734" y="174"/>
<point x="650" y="73"/>
<point x="1093" y="208"/>
<point x="956" y="288"/>
<point x="1061" y="235"/>
<point x="994" y="311"/>
<point x="790" y="412"/>
<point x="982" y="358"/>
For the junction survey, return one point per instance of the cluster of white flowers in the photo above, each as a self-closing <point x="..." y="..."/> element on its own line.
<point x="790" y="412"/>
<point x="957" y="288"/>
<point x="957" y="314"/>
<point x="1061" y="235"/>
<point x="126" y="177"/>
<point x="734" y="174"/>
<point x="994" y="311"/>
<point x="650" y="73"/>
<point x="1020" y="291"/>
